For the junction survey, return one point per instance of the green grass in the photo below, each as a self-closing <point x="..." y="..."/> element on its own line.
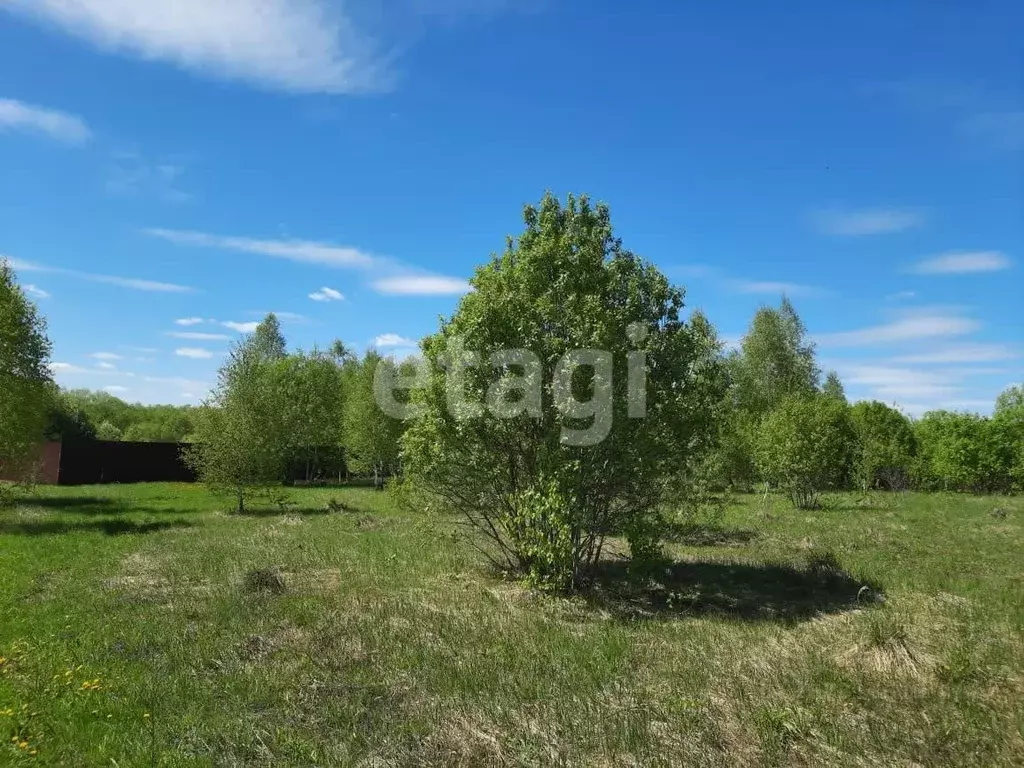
<point x="141" y="625"/>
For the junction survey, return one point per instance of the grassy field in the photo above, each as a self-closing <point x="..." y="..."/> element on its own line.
<point x="145" y="626"/>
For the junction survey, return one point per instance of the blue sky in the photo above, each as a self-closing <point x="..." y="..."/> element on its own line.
<point x="173" y="169"/>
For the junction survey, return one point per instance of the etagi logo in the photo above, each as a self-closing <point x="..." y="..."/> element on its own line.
<point x="518" y="390"/>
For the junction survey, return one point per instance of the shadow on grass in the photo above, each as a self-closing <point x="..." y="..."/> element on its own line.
<point x="280" y="512"/>
<point x="705" y="536"/>
<point x="100" y="505"/>
<point x="744" y="591"/>
<point x="106" y="527"/>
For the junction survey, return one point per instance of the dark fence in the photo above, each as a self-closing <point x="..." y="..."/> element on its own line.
<point x="89" y="462"/>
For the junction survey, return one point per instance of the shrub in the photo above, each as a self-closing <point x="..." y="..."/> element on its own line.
<point x="804" y="446"/>
<point x="885" y="446"/>
<point x="546" y="499"/>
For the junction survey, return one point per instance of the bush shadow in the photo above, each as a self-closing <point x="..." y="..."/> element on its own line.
<point x="707" y="536"/>
<point x="737" y="590"/>
<point x="106" y="527"/>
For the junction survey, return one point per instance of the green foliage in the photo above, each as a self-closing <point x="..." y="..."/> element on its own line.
<point x="107" y="431"/>
<point x="372" y="438"/>
<point x="67" y="419"/>
<point x="968" y="452"/>
<point x="241" y="436"/>
<point x="133" y="421"/>
<point x="310" y="390"/>
<point x="885" y="447"/>
<point x="833" y="387"/>
<point x="804" y="446"/>
<point x="566" y="284"/>
<point x="26" y="388"/>
<point x="776" y="361"/>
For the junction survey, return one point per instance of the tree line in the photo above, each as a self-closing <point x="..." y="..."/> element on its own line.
<point x="760" y="416"/>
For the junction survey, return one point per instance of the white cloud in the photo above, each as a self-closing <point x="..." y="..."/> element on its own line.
<point x="194" y="352"/>
<point x="144" y="350"/>
<point x="326" y="294"/>
<point x="196" y="336"/>
<point x="241" y="327"/>
<point x="962" y="353"/>
<point x="105" y="356"/>
<point x="290" y="45"/>
<point x="421" y="285"/>
<point x="392" y="340"/>
<point x="867" y="222"/>
<point x="963" y="263"/>
<point x="186" y="321"/>
<point x="115" y="389"/>
<point x="123" y="282"/>
<point x="294" y="250"/>
<point x="927" y="325"/>
<point x="17" y="115"/>
<point x="770" y="287"/>
<point x="67" y="368"/>
<point x="35" y="291"/>
<point x="106" y="366"/>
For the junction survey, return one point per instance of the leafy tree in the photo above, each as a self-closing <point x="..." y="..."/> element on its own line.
<point x="311" y="393"/>
<point x="803" y="447"/>
<point x="885" y="447"/>
<point x="531" y="470"/>
<point x="776" y="361"/>
<point x="67" y="419"/>
<point x="1008" y="424"/>
<point x="240" y="440"/>
<point x="833" y="387"/>
<point x="267" y="341"/>
<point x="26" y="387"/>
<point x="372" y="438"/>
<point x="107" y="431"/>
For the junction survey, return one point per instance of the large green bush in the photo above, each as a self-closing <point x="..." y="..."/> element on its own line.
<point x="530" y="479"/>
<point x="804" y="446"/>
<point x="885" y="446"/>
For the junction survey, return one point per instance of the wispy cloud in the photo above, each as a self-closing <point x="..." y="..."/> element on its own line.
<point x="421" y="285"/>
<point x="247" y="327"/>
<point x="963" y="263"/>
<point x="194" y="353"/>
<point x="187" y="321"/>
<point x="105" y="356"/>
<point x="901" y="295"/>
<point x="198" y="336"/>
<point x="36" y="292"/>
<point x="289" y="45"/>
<point x="962" y="353"/>
<point x="1000" y="130"/>
<point x="123" y="282"/>
<point x="926" y="325"/>
<point x="305" y="251"/>
<point x="19" y="116"/>
<point x="106" y="366"/>
<point x="115" y="389"/>
<point x="133" y="175"/>
<point x="393" y="340"/>
<point x="776" y="288"/>
<point x="326" y="294"/>
<point x="872" y="221"/>
<point x="390" y="276"/>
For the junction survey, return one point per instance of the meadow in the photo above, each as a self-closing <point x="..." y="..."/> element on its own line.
<point x="145" y="625"/>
